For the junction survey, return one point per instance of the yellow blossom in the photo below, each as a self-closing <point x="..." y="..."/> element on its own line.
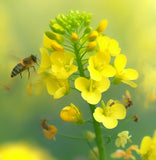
<point x="62" y="64"/>
<point x="125" y="154"/>
<point x="124" y="75"/>
<point x="45" y="61"/>
<point x="148" y="147"/>
<point x="109" y="115"/>
<point x="70" y="113"/>
<point x="91" y="90"/>
<point x="99" y="66"/>
<point x="122" y="138"/>
<point x="49" y="130"/>
<point x="56" y="87"/>
<point x="105" y="44"/>
<point x="102" y="25"/>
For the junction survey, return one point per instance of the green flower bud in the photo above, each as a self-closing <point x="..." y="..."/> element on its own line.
<point x="57" y="28"/>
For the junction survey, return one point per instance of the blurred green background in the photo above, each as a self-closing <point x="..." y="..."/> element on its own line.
<point x="22" y="24"/>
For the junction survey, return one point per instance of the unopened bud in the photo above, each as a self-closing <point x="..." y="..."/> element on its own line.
<point x="90" y="135"/>
<point x="56" y="46"/>
<point x="93" y="35"/>
<point x="91" y="46"/>
<point x="74" y="37"/>
<point x="102" y="26"/>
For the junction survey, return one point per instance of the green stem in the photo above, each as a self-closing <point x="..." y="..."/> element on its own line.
<point x="96" y="125"/>
<point x="78" y="59"/>
<point x="99" y="137"/>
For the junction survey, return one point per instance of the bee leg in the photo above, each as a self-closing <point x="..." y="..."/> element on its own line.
<point x="21" y="75"/>
<point x="28" y="73"/>
<point x="34" y="68"/>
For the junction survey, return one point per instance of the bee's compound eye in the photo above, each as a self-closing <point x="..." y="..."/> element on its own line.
<point x="34" y="58"/>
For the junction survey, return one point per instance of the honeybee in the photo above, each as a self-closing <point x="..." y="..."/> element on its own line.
<point x="25" y="63"/>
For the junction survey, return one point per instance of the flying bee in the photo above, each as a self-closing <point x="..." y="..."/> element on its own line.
<point x="25" y="64"/>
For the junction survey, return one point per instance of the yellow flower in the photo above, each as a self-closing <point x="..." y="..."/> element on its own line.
<point x="62" y="64"/>
<point x="56" y="87"/>
<point x="102" y="25"/>
<point x="105" y="44"/>
<point x="124" y="75"/>
<point x="91" y="90"/>
<point x="23" y="151"/>
<point x="148" y="147"/>
<point x="45" y="61"/>
<point x="99" y="66"/>
<point x="122" y="139"/>
<point x="70" y="113"/>
<point x="110" y="114"/>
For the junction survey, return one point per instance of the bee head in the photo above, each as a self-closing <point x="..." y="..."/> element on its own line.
<point x="34" y="58"/>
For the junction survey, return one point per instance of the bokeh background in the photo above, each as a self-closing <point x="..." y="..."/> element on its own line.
<point x="22" y="24"/>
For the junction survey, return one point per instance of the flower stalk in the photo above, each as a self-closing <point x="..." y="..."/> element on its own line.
<point x="99" y="137"/>
<point x="96" y="125"/>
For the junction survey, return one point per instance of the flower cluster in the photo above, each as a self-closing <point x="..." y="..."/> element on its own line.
<point x="66" y="50"/>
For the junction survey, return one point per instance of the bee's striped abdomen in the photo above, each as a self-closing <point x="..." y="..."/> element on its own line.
<point x="17" y="69"/>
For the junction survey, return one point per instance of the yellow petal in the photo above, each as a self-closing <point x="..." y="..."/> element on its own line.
<point x="98" y="114"/>
<point x="114" y="48"/>
<point x="110" y="122"/>
<point x="118" y="111"/>
<point x="130" y="74"/>
<point x="91" y="97"/>
<point x="108" y="71"/>
<point x="94" y="74"/>
<point x="82" y="83"/>
<point x="60" y="92"/>
<point x="102" y="85"/>
<point x="145" y="145"/>
<point x="51" y="86"/>
<point x="120" y="62"/>
<point x="45" y="60"/>
<point x="130" y="83"/>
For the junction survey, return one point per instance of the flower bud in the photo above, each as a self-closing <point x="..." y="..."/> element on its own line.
<point x="56" y="46"/>
<point x="57" y="28"/>
<point x="102" y="26"/>
<point x="93" y="35"/>
<point x="90" y="135"/>
<point x="91" y="46"/>
<point x="70" y="113"/>
<point x="87" y="30"/>
<point x="74" y="37"/>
